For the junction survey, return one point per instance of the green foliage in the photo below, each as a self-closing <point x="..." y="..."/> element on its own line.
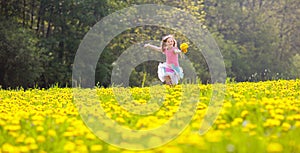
<point x="261" y="31"/>
<point x="20" y="58"/>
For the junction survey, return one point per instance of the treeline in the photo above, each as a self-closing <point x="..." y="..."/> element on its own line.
<point x="259" y="40"/>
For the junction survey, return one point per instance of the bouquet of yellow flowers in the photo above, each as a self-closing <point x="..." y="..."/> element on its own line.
<point x="184" y="47"/>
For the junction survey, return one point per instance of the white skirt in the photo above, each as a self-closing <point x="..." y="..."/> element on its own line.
<point x="174" y="72"/>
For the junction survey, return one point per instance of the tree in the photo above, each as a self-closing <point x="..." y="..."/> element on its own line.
<point x="262" y="30"/>
<point x="57" y="28"/>
<point x="20" y="58"/>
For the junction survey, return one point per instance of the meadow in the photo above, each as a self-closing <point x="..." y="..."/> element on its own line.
<point x="262" y="117"/>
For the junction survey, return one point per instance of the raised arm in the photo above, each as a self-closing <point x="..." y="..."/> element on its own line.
<point x="156" y="48"/>
<point x="177" y="51"/>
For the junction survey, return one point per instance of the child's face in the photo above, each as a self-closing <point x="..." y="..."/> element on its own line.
<point x="170" y="42"/>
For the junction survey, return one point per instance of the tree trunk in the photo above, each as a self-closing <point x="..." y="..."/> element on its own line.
<point x="281" y="32"/>
<point x="49" y="22"/>
<point x="260" y="4"/>
<point x="24" y="13"/>
<point x="40" y="16"/>
<point x="4" y="9"/>
<point x="32" y="14"/>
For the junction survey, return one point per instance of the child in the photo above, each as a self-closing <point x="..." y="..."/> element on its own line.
<point x="169" y="72"/>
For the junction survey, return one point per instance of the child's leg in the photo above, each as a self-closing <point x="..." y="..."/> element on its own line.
<point x="168" y="80"/>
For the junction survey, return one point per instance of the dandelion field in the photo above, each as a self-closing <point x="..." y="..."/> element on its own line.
<point x="261" y="117"/>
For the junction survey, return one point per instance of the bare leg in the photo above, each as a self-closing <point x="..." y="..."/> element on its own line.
<point x="168" y="80"/>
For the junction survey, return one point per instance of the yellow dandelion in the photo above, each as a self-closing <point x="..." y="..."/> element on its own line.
<point x="79" y="142"/>
<point x="12" y="127"/>
<point x="40" y="128"/>
<point x="29" y="140"/>
<point x="251" y="126"/>
<point x="290" y="118"/>
<point x="91" y="136"/>
<point x="272" y="123"/>
<point x="52" y="133"/>
<point x="236" y="121"/>
<point x="274" y="136"/>
<point x="42" y="151"/>
<point x="279" y="111"/>
<point x="297" y="124"/>
<point x="172" y="149"/>
<point x="297" y="117"/>
<point x="279" y="117"/>
<point x="96" y="148"/>
<point x="68" y="134"/>
<point x="69" y="146"/>
<point x="37" y="122"/>
<point x="16" y="121"/>
<point x="129" y="151"/>
<point x="8" y="148"/>
<point x="21" y="138"/>
<point x="82" y="148"/>
<point x="269" y="107"/>
<point x="60" y="120"/>
<point x="2" y="123"/>
<point x="244" y="113"/>
<point x="37" y="118"/>
<point x="40" y="138"/>
<point x="245" y="129"/>
<point x="195" y="139"/>
<point x="286" y="126"/>
<point x="274" y="147"/>
<point x="14" y="134"/>
<point x="24" y="149"/>
<point x="120" y="120"/>
<point x="213" y="136"/>
<point x="33" y="146"/>
<point x="222" y="126"/>
<point x="252" y="133"/>
<point x="227" y="105"/>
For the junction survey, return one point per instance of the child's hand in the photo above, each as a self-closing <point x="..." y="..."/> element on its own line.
<point x="146" y="45"/>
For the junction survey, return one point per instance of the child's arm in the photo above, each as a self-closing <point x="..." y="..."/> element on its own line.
<point x="177" y="51"/>
<point x="156" y="48"/>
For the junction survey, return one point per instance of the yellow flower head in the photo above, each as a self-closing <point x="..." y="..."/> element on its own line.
<point x="274" y="147"/>
<point x="184" y="47"/>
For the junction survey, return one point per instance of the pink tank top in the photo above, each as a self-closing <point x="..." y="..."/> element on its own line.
<point x="171" y="57"/>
